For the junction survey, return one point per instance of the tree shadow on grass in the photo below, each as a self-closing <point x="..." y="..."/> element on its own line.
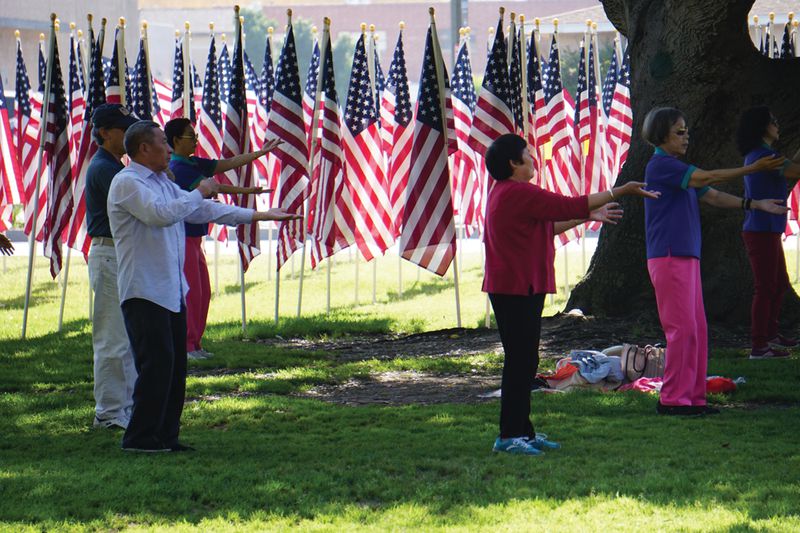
<point x="236" y="288"/>
<point x="303" y="460"/>
<point x="421" y="288"/>
<point x="41" y="294"/>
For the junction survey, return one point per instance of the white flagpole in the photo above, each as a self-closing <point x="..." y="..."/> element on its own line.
<point x="269" y="225"/>
<point x="123" y="71"/>
<point x="437" y="58"/>
<point x="770" y="34"/>
<point x="314" y="119"/>
<point x="188" y="78"/>
<point x="64" y="290"/>
<point x="328" y="295"/>
<point x="372" y="88"/>
<point x="42" y="133"/>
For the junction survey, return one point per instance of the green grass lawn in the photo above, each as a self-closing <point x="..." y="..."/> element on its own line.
<point x="267" y="459"/>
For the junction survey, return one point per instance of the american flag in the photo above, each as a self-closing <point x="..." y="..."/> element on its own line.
<point x="310" y="91"/>
<point x="56" y="146"/>
<point x="177" y="109"/>
<point x="81" y="71"/>
<point x="265" y="96"/>
<point x="209" y="142"/>
<point x="366" y="190"/>
<point x="535" y="97"/>
<point x="78" y="238"/>
<point x="29" y="162"/>
<point x="22" y="100"/>
<point x="467" y="176"/>
<point x="118" y="84"/>
<point x="328" y="232"/>
<point x="224" y="72"/>
<point x="620" y="120"/>
<point x="397" y="136"/>
<point x="596" y="168"/>
<point x="10" y="173"/>
<point x="428" y="238"/>
<point x="77" y="103"/>
<point x="380" y="79"/>
<point x="143" y="98"/>
<point x="582" y="117"/>
<point x="162" y="101"/>
<point x="515" y="80"/>
<point x="554" y="100"/>
<point x="493" y="116"/>
<point x="286" y="123"/>
<point x="787" y="50"/>
<point x="236" y="141"/>
<point x="256" y="116"/>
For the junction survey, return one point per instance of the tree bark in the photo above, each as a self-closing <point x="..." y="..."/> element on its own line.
<point x="695" y="55"/>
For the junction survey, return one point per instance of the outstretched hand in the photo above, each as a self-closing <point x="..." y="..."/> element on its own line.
<point x="637" y="188"/>
<point x="608" y="214"/>
<point x="276" y="213"/>
<point x="775" y="207"/>
<point x="270" y="145"/>
<point x="769" y="163"/>
<point x="6" y="248"/>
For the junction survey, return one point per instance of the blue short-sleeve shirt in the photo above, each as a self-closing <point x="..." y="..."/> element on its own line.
<point x="188" y="174"/>
<point x="672" y="222"/>
<point x="764" y="185"/>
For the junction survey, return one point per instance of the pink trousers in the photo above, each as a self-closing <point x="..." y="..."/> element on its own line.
<point x="679" y="295"/>
<point x="197" y="301"/>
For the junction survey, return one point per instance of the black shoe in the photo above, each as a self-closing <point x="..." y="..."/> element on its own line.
<point x="680" y="410"/>
<point x="178" y="447"/>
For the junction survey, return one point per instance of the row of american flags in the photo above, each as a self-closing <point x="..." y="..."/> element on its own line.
<point x="378" y="167"/>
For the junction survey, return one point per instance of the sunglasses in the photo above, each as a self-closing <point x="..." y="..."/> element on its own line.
<point x="193" y="136"/>
<point x="773" y="121"/>
<point x="681" y="132"/>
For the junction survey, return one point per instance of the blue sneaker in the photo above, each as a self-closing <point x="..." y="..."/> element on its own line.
<point x="518" y="445"/>
<point x="540" y="441"/>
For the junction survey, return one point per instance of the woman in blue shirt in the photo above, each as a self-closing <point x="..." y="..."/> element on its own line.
<point x="672" y="226"/>
<point x="758" y="130"/>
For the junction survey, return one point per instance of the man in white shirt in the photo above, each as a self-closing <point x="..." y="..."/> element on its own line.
<point x="146" y="211"/>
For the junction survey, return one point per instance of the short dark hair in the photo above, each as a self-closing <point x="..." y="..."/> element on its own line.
<point x="658" y="122"/>
<point x="98" y="139"/>
<point x="508" y="147"/>
<point x="175" y="128"/>
<point x="752" y="125"/>
<point x="141" y="132"/>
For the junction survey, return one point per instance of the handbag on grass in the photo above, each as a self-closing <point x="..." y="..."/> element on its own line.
<point x="642" y="362"/>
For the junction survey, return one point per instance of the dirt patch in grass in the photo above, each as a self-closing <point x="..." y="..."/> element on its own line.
<point x="560" y="334"/>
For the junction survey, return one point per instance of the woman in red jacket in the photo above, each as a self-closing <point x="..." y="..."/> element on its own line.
<point x="521" y="220"/>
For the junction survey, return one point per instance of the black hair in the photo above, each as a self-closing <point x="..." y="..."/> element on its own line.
<point x="175" y="128"/>
<point x="98" y="139"/>
<point x="752" y="125"/>
<point x="141" y="132"/>
<point x="508" y="147"/>
<point x="658" y="122"/>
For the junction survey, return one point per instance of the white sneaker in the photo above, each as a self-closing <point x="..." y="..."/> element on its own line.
<point x="110" y="423"/>
<point x="196" y="355"/>
<point x="206" y="353"/>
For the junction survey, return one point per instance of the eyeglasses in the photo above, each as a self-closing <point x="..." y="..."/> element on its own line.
<point x="773" y="121"/>
<point x="193" y="136"/>
<point x="681" y="132"/>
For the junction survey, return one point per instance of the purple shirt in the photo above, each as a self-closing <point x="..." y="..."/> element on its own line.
<point x="764" y="185"/>
<point x="672" y="222"/>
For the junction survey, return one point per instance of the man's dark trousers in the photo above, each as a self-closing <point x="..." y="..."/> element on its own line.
<point x="158" y="340"/>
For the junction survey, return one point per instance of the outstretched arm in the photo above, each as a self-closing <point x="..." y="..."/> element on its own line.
<point x="728" y="201"/>
<point x="703" y="178"/>
<point x="244" y="159"/>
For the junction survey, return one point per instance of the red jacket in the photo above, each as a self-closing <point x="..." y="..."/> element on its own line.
<point x="519" y="236"/>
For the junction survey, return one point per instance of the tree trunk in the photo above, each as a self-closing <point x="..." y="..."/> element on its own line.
<point x="695" y="55"/>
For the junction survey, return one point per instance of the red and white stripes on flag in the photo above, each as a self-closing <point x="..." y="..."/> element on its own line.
<point x="164" y="94"/>
<point x="397" y="132"/>
<point x="56" y="150"/>
<point x="310" y="91"/>
<point x="620" y="120"/>
<point x="77" y="103"/>
<point x="236" y="141"/>
<point x="428" y="238"/>
<point x="493" y="116"/>
<point x="329" y="232"/>
<point x="10" y="173"/>
<point x="596" y="172"/>
<point x="286" y="123"/>
<point x="29" y="162"/>
<point x="77" y="237"/>
<point x="366" y="191"/>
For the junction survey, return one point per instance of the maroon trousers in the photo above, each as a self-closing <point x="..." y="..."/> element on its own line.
<point x="199" y="297"/>
<point x="770" y="282"/>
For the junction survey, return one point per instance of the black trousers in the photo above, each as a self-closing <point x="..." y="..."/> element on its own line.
<point x="519" y="321"/>
<point x="158" y="341"/>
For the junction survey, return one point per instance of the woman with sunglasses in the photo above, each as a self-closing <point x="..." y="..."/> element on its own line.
<point x="190" y="170"/>
<point x="757" y="132"/>
<point x="672" y="227"/>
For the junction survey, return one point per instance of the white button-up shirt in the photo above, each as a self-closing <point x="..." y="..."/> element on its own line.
<point x="146" y="211"/>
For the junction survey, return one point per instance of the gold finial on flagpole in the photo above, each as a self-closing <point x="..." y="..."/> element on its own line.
<point x="16" y="34"/>
<point x="41" y="37"/>
<point x="122" y="22"/>
<point x="80" y="34"/>
<point x="431" y="11"/>
<point x="186" y="25"/>
<point x="72" y="26"/>
<point x="755" y="19"/>
<point x="144" y="24"/>
<point x="270" y="31"/>
<point x="363" y="27"/>
<point x="555" y="25"/>
<point x="594" y="26"/>
<point x="177" y="34"/>
<point x="502" y="11"/>
<point x="772" y="16"/>
<point x="790" y="16"/>
<point x="211" y="26"/>
<point x="402" y="25"/>
<point x="56" y="25"/>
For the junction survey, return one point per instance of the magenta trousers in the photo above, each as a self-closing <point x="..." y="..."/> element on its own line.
<point x="197" y="301"/>
<point x="679" y="295"/>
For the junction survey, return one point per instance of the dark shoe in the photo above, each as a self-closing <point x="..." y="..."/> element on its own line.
<point x="680" y="410"/>
<point x="768" y="353"/>
<point x="708" y="410"/>
<point x="181" y="448"/>
<point x="783" y="342"/>
<point x="157" y="448"/>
